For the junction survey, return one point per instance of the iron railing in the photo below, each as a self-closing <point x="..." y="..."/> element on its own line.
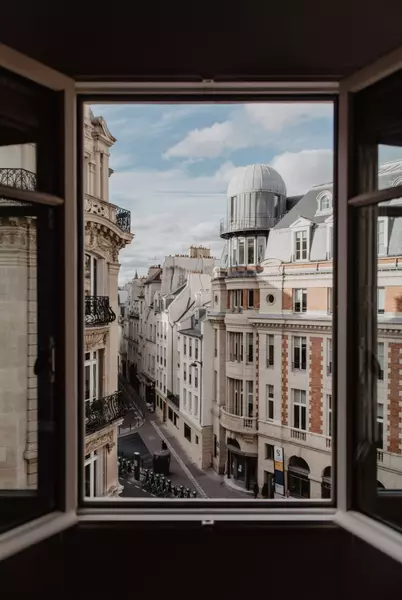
<point x="115" y="214"/>
<point x="255" y="222"/>
<point x="123" y="219"/>
<point x="174" y="398"/>
<point x="103" y="412"/>
<point x="18" y="178"/>
<point x="98" y="311"/>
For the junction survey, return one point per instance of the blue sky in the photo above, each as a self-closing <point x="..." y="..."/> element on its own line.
<point x="173" y="164"/>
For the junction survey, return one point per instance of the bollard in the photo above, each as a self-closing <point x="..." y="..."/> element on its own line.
<point x="137" y="465"/>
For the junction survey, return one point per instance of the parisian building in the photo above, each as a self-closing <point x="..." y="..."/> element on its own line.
<point x="272" y="317"/>
<point x="107" y="231"/>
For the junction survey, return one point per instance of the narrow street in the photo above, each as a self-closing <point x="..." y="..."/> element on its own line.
<point x="147" y="439"/>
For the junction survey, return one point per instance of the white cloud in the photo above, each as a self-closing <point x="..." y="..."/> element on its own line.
<point x="274" y="117"/>
<point x="302" y="170"/>
<point x="250" y="125"/>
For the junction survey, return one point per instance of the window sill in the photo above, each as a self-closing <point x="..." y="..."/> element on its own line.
<point x="373" y="532"/>
<point x="31" y="533"/>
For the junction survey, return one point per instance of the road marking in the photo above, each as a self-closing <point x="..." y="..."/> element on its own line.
<point x="180" y="461"/>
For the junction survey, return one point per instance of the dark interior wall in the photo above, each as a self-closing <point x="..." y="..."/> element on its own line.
<point x="165" y="561"/>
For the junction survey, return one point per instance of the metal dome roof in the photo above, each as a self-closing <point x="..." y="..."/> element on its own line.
<point x="256" y="178"/>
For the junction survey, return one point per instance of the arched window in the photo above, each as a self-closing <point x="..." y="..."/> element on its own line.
<point x="326" y="483"/>
<point x="298" y="478"/>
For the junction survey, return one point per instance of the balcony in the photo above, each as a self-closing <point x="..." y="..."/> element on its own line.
<point x="257" y="222"/>
<point x="18" y="178"/>
<point x="174" y="398"/>
<point x="115" y="214"/>
<point x="293" y="435"/>
<point x="103" y="412"/>
<point x="98" y="311"/>
<point x="245" y="425"/>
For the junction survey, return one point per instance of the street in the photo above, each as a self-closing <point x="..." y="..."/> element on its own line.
<point x="147" y="439"/>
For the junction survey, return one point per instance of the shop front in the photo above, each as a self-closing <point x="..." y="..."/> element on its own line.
<point x="241" y="466"/>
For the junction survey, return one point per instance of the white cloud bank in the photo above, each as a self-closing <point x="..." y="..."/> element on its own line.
<point x="170" y="209"/>
<point x="250" y="125"/>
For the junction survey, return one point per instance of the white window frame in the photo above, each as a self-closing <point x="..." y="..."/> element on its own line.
<point x="382" y="250"/>
<point x="93" y="363"/>
<point x="296" y="292"/>
<point x="270" y="399"/>
<point x="329" y="423"/>
<point x="297" y="344"/>
<point x="381" y="300"/>
<point x="299" y="401"/>
<point x="329" y="356"/>
<point x="270" y="343"/>
<point x="93" y="475"/>
<point x="328" y="209"/>
<point x="330" y="295"/>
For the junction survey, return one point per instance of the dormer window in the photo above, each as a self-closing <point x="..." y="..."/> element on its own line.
<point x="301" y="245"/>
<point x="324" y="200"/>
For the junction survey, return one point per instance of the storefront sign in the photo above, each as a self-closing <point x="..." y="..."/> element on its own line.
<point x="279" y="471"/>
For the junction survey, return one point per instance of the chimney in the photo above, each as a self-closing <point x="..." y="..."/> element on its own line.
<point x="199" y="252"/>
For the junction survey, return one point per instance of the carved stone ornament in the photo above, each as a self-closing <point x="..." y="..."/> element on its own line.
<point x="17" y="233"/>
<point x="98" y="441"/>
<point x="94" y="339"/>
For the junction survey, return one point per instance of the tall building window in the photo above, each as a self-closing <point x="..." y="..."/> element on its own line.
<point x="380" y="425"/>
<point x="187" y="432"/>
<point x="184" y="398"/>
<point x="299" y="353"/>
<point x="184" y="345"/>
<point x="164" y="357"/>
<point x="235" y="396"/>
<point x="91" y="474"/>
<point x="270" y="403"/>
<point x="216" y="342"/>
<point x="215" y="446"/>
<point x="381" y="243"/>
<point x="260" y="249"/>
<point x="235" y="347"/>
<point x="190" y="374"/>
<point x="270" y="350"/>
<point x="250" y="298"/>
<point x="216" y="385"/>
<point x="196" y="349"/>
<point x="190" y="402"/>
<point x="91" y="275"/>
<point x="184" y="372"/>
<point x="380" y="357"/>
<point x="250" y="405"/>
<point x="250" y="250"/>
<point x="299" y="409"/>
<point x="301" y="245"/>
<point x="241" y="252"/>
<point x="329" y="356"/>
<point x="190" y="347"/>
<point x="164" y="384"/>
<point x="299" y="300"/>
<point x="196" y="378"/>
<point x="196" y="406"/>
<point x="91" y="376"/>
<point x="250" y="347"/>
<point x="329" y="300"/>
<point x="381" y="300"/>
<point x="329" y="415"/>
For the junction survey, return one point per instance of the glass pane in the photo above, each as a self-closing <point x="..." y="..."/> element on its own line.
<point x="230" y="290"/>
<point x="18" y="348"/>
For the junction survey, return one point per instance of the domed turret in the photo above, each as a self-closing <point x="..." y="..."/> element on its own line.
<point x="256" y="202"/>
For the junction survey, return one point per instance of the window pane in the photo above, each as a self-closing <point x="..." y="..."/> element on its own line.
<point x="208" y="298"/>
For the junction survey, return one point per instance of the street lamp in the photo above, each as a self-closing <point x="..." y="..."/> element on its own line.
<point x="194" y="364"/>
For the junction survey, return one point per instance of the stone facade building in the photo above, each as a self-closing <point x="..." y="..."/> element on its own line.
<point x="107" y="230"/>
<point x="272" y="315"/>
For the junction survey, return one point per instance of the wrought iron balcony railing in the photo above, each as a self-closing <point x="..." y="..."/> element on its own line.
<point x="258" y="221"/>
<point x="103" y="412"/>
<point x="18" y="178"/>
<point x="113" y="213"/>
<point x="98" y="311"/>
<point x="175" y="398"/>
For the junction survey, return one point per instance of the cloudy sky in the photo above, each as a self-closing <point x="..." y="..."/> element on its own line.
<point x="173" y="163"/>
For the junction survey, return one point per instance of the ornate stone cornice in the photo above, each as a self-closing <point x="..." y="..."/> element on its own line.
<point x="17" y="233"/>
<point x="102" y="238"/>
<point x="298" y="326"/>
<point x="95" y="339"/>
<point x="96" y="441"/>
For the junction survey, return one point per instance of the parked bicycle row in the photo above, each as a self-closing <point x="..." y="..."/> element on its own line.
<point x="159" y="485"/>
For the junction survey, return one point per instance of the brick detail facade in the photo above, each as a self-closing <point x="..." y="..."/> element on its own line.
<point x="394" y="397"/>
<point x="315" y="376"/>
<point x="287" y="299"/>
<point x="284" y="407"/>
<point x="393" y="299"/>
